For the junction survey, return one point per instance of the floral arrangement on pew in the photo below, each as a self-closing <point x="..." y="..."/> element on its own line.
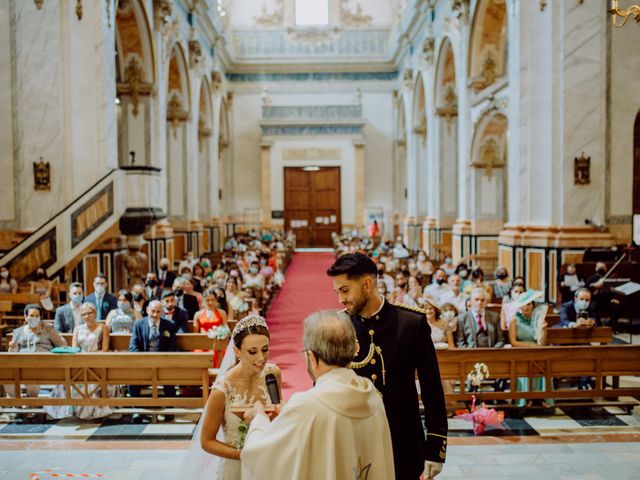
<point x="480" y="416"/>
<point x="221" y="332"/>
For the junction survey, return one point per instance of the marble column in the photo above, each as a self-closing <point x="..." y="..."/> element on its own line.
<point x="8" y="187"/>
<point x="359" y="154"/>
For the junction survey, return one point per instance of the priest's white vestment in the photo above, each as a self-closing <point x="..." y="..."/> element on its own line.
<point x="336" y="430"/>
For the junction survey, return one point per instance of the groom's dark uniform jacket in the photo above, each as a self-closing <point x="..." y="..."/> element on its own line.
<point x="393" y="345"/>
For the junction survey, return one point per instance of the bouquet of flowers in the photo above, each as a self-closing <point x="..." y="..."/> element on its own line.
<point x="243" y="428"/>
<point x="480" y="416"/>
<point x="220" y="332"/>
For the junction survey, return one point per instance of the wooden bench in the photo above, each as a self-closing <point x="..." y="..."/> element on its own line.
<point x="187" y="342"/>
<point x="547" y="362"/>
<point x="83" y="373"/>
<point x="578" y="336"/>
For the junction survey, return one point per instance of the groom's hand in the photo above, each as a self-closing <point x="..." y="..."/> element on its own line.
<point x="431" y="469"/>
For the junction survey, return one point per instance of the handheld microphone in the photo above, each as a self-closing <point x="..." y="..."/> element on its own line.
<point x="272" y="388"/>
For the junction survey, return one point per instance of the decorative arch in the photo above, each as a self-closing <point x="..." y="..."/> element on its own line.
<point x="489" y="145"/>
<point x="445" y="91"/>
<point x="135" y="58"/>
<point x="225" y="183"/>
<point x="488" y="47"/>
<point x="178" y="87"/>
<point x="205" y="112"/>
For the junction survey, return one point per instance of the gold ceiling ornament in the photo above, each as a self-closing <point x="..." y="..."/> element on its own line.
<point x="39" y="4"/>
<point x="79" y="9"/>
<point x="133" y="75"/>
<point x="175" y="112"/>
<point x="216" y="81"/>
<point x="449" y="109"/>
<point x="407" y="78"/>
<point x="428" y="50"/>
<point x="489" y="156"/>
<point x="195" y="54"/>
<point x="543" y="5"/>
<point x="355" y="19"/>
<point x="204" y="132"/>
<point x="460" y="9"/>
<point x="633" y="11"/>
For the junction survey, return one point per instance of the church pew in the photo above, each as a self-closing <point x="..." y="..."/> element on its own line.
<point x="549" y="362"/>
<point x="81" y="373"/>
<point x="119" y="342"/>
<point x="579" y="336"/>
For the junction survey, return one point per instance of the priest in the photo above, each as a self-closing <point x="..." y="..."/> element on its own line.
<point x="336" y="430"/>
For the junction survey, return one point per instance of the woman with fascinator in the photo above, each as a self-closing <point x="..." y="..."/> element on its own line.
<point x="235" y="390"/>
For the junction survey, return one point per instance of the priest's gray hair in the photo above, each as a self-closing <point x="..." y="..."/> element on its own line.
<point x="331" y="336"/>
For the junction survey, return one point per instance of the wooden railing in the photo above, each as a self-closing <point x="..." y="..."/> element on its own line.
<point x="596" y="362"/>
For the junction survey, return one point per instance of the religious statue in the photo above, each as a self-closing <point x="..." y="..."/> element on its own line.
<point x="136" y="264"/>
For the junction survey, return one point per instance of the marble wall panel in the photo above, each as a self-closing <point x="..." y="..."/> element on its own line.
<point x="7" y="186"/>
<point x="584" y="113"/>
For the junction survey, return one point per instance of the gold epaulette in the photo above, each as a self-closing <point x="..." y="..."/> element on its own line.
<point x="409" y="307"/>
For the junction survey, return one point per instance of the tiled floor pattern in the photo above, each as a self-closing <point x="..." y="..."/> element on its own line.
<point x="586" y="461"/>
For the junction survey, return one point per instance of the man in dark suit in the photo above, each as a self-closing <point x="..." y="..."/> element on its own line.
<point x="153" y="334"/>
<point x="479" y="327"/>
<point x="101" y="298"/>
<point x="394" y="342"/>
<point x="579" y="312"/>
<point x="68" y="316"/>
<point x="184" y="300"/>
<point x="177" y="315"/>
<point x="164" y="275"/>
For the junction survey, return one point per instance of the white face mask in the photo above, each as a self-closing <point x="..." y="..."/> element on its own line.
<point x="33" y="322"/>
<point x="99" y="289"/>
<point x="76" y="299"/>
<point x="448" y="314"/>
<point x="4" y="274"/>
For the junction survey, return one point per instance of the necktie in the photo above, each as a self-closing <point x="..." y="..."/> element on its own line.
<point x="99" y="308"/>
<point x="480" y="324"/>
<point x="154" y="331"/>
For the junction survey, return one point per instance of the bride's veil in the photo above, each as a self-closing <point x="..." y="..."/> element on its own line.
<point x="198" y="464"/>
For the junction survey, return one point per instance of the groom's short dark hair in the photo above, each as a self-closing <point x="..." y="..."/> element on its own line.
<point x="355" y="265"/>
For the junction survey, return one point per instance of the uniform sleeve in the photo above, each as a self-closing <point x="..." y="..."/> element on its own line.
<point x="432" y="395"/>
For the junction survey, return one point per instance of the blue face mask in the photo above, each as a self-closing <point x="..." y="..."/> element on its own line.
<point x="582" y="304"/>
<point x="76" y="299"/>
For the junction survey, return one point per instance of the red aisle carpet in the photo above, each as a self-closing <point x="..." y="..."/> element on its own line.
<point x="307" y="288"/>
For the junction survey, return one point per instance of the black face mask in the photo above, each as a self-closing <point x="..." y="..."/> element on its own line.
<point x="152" y="283"/>
<point x="601" y="271"/>
<point x="502" y="276"/>
<point x="164" y="268"/>
<point x="440" y="281"/>
<point x="138" y="297"/>
<point x="381" y="273"/>
<point x="178" y="293"/>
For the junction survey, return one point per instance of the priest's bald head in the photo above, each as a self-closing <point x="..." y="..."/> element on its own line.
<point x="329" y="342"/>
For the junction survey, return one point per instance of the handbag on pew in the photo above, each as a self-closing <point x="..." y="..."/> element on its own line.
<point x="65" y="350"/>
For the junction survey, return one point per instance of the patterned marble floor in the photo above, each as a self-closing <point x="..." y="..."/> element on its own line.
<point x="585" y="444"/>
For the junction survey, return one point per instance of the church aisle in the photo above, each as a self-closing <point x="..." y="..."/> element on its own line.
<point x="307" y="288"/>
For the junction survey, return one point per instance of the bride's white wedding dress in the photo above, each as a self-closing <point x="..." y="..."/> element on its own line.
<point x="200" y="465"/>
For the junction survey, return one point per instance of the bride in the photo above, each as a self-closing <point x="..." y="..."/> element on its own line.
<point x="222" y="432"/>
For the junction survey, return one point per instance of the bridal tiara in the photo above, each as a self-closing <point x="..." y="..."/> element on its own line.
<point x="248" y="322"/>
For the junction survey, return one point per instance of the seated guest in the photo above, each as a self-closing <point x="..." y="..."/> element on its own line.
<point x="177" y="315"/>
<point x="580" y="312"/>
<point x="569" y="283"/>
<point x="425" y="267"/>
<point x="448" y="266"/>
<point x="153" y="334"/>
<point x="34" y="336"/>
<point x="529" y="329"/>
<point x="68" y="316"/>
<point x="253" y="278"/>
<point x="462" y="270"/>
<point x="596" y="281"/>
<point x="455" y="295"/>
<point x="478" y="327"/>
<point x="439" y="286"/>
<point x="382" y="290"/>
<point x="41" y="285"/>
<point x="413" y="296"/>
<point x="184" y="300"/>
<point x="164" y="275"/>
<point x="199" y="279"/>
<point x="154" y="290"/>
<point x="441" y="331"/>
<point x="477" y="281"/>
<point x="400" y="289"/>
<point x="385" y="277"/>
<point x="139" y="296"/>
<point x="8" y="284"/>
<point x="212" y="315"/>
<point x="508" y="308"/>
<point x="341" y="405"/>
<point x="101" y="298"/>
<point x="121" y="319"/>
<point x="502" y="284"/>
<point x="449" y="314"/>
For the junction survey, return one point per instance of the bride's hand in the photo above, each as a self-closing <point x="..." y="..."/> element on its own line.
<point x="258" y="408"/>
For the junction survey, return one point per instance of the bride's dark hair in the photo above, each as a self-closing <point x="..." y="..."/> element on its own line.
<point x="253" y="330"/>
